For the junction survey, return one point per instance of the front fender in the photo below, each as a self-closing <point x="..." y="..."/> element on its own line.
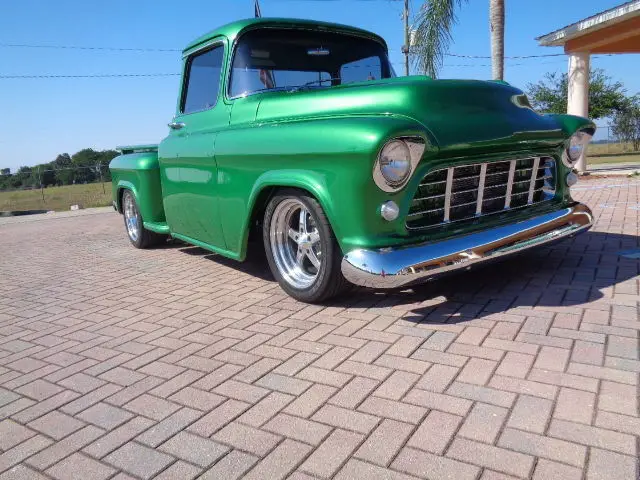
<point x="331" y="158"/>
<point x="307" y="180"/>
<point x="570" y="124"/>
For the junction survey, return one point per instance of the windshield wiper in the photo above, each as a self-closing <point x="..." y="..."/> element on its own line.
<point x="314" y="82"/>
<point x="271" y="89"/>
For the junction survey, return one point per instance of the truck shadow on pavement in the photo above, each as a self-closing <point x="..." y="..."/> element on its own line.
<point x="255" y="265"/>
<point x="573" y="272"/>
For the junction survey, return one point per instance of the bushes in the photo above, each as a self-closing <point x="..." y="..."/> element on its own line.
<point x="85" y="166"/>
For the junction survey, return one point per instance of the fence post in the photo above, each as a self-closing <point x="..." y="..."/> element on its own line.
<point x="101" y="180"/>
<point x="41" y="185"/>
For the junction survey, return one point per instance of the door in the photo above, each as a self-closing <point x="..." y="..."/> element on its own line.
<point x="187" y="162"/>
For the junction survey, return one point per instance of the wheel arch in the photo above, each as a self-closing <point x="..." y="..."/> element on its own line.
<point x="120" y="189"/>
<point x="271" y="182"/>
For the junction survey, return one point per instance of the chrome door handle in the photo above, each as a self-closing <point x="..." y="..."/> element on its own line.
<point x="176" y="125"/>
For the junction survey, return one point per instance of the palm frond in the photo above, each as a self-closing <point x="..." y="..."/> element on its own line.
<point x="433" y="26"/>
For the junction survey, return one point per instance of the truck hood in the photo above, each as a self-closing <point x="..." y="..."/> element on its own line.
<point x="460" y="114"/>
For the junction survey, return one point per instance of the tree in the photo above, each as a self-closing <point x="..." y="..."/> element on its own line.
<point x="606" y="97"/>
<point x="626" y="123"/>
<point x="433" y="34"/>
<point x="63" y="169"/>
<point x="25" y="177"/>
<point x="85" y="166"/>
<point x="63" y="160"/>
<point x="47" y="174"/>
<point x="84" y="161"/>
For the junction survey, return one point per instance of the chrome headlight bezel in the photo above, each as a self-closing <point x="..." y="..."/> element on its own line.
<point x="575" y="148"/>
<point x="395" y="153"/>
<point x="394" y="163"/>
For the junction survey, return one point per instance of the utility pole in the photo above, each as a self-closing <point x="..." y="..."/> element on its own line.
<point x="407" y="39"/>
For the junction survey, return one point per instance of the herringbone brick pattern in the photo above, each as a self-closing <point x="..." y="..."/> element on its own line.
<point x="174" y="363"/>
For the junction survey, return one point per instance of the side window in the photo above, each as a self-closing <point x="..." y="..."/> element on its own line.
<point x="203" y="80"/>
<point x="368" y="68"/>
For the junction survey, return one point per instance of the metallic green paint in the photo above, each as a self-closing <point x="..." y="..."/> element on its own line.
<point x="206" y="246"/>
<point x="138" y="172"/>
<point x="158" y="227"/>
<point x="213" y="177"/>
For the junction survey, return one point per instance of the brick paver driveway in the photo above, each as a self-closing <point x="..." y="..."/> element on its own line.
<point x="120" y="363"/>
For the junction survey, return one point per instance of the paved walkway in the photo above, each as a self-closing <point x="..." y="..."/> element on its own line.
<point x="174" y="363"/>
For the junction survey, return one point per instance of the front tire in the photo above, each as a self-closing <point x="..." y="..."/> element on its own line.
<point x="139" y="236"/>
<point x="301" y="249"/>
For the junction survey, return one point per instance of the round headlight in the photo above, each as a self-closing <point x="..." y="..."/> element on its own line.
<point x="576" y="146"/>
<point x="395" y="163"/>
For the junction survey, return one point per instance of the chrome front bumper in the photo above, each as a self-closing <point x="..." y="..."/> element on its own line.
<point x="402" y="266"/>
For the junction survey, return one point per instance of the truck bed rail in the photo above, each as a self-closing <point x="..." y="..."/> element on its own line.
<point x="137" y="149"/>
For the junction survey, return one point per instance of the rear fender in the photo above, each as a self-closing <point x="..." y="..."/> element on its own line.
<point x="119" y="188"/>
<point x="139" y="172"/>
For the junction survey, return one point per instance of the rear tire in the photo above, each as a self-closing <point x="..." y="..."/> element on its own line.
<point x="139" y="236"/>
<point x="301" y="248"/>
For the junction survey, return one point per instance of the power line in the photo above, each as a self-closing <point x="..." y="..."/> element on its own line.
<point x="519" y="57"/>
<point x="144" y="49"/>
<point x="77" y="47"/>
<point x="106" y="75"/>
<point x="135" y="75"/>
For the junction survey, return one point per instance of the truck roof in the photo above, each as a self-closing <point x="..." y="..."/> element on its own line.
<point x="232" y="30"/>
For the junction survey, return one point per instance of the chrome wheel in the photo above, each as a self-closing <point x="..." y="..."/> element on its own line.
<point x="295" y="243"/>
<point x="131" y="217"/>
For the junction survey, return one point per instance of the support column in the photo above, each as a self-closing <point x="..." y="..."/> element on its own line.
<point x="578" y="94"/>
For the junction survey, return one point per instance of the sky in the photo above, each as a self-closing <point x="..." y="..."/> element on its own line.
<point x="43" y="117"/>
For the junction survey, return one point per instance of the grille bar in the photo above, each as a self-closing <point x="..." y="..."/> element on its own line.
<point x="532" y="185"/>
<point x="468" y="191"/>
<point x="507" y="197"/>
<point x="483" y="176"/>
<point x="447" y="194"/>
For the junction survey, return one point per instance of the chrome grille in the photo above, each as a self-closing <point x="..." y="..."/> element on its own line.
<point x="468" y="191"/>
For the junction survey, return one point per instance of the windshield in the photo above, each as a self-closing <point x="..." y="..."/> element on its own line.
<point x="286" y="59"/>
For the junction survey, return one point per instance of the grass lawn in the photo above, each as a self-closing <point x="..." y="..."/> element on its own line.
<point x="58" y="198"/>
<point x="612" y="153"/>
<point x="631" y="158"/>
<point x="598" y="149"/>
<point x="620" y="158"/>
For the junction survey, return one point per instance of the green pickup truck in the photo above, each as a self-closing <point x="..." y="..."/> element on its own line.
<point x="299" y="134"/>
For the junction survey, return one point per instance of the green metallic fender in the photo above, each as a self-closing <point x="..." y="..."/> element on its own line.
<point x="120" y="186"/>
<point x="292" y="178"/>
<point x="139" y="172"/>
<point x="570" y="124"/>
<point x="331" y="158"/>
